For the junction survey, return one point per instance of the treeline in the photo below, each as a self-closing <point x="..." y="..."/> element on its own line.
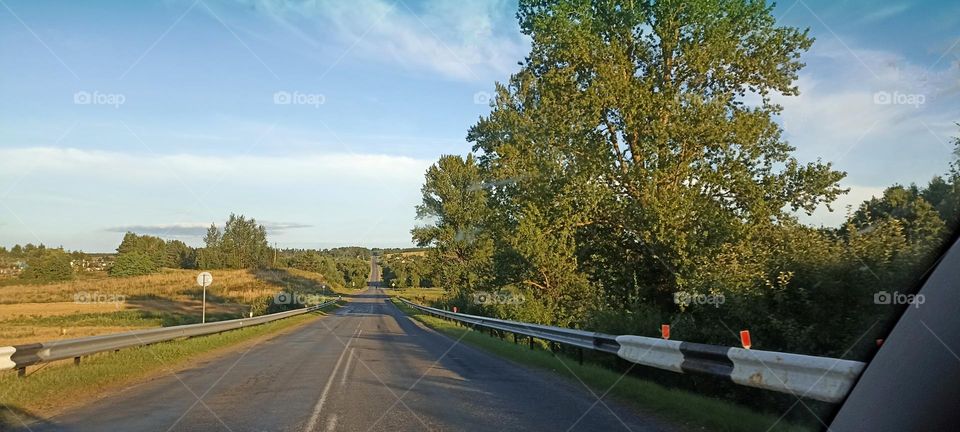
<point x="347" y="267"/>
<point x="405" y="270"/>
<point x="40" y="263"/>
<point x="621" y="182"/>
<point x="144" y="254"/>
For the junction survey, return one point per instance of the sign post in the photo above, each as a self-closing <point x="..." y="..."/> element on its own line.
<point x="204" y="279"/>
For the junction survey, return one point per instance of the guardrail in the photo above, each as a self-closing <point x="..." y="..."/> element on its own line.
<point x="578" y="338"/>
<point x="21" y="356"/>
<point x="821" y="378"/>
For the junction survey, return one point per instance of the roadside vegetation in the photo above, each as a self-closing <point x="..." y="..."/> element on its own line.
<point x="632" y="173"/>
<point x="679" y="406"/>
<point x="91" y="306"/>
<point x="49" y="293"/>
<point x="47" y="387"/>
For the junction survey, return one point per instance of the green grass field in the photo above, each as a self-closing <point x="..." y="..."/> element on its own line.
<point x="679" y="406"/>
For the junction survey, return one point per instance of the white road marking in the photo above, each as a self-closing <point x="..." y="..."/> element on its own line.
<point x="332" y="423"/>
<point x="323" y="395"/>
<point x="346" y="369"/>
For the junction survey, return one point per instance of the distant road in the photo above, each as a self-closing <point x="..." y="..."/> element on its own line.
<point x="368" y="367"/>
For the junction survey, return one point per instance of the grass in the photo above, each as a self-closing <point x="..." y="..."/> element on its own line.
<point x="676" y="405"/>
<point x="92" y="304"/>
<point x="231" y="286"/>
<point x="46" y="387"/>
<point x="423" y="295"/>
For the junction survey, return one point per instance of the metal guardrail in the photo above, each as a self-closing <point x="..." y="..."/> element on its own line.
<point x="21" y="356"/>
<point x="578" y="338"/>
<point x="821" y="378"/>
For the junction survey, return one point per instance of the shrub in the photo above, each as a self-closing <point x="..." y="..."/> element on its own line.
<point x="134" y="264"/>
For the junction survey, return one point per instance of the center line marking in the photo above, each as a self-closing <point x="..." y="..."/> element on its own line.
<point x="346" y="369"/>
<point x="332" y="423"/>
<point x="323" y="396"/>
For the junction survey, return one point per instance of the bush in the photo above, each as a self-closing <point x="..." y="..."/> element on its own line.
<point x="48" y="265"/>
<point x="133" y="264"/>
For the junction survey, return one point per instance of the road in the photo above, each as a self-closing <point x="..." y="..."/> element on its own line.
<point x="366" y="367"/>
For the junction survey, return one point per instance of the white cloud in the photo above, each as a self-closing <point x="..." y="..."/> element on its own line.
<point x="844" y="114"/>
<point x="842" y="207"/>
<point x="470" y="41"/>
<point x="84" y="198"/>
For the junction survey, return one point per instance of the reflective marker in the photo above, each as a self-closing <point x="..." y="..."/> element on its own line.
<point x="745" y="338"/>
<point x="665" y="331"/>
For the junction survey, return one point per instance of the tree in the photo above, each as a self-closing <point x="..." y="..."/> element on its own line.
<point x="179" y="255"/>
<point x="454" y="204"/>
<point x="629" y="121"/>
<point x="243" y="244"/>
<point x="211" y="256"/>
<point x="47" y="265"/>
<point x="133" y="263"/>
<point x="918" y="217"/>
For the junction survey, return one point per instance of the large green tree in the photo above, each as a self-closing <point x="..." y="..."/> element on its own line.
<point x="455" y="210"/>
<point x="649" y="127"/>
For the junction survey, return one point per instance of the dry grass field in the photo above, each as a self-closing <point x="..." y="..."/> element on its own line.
<point x="98" y="305"/>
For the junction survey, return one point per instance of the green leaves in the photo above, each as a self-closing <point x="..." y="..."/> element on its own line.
<point x="47" y="265"/>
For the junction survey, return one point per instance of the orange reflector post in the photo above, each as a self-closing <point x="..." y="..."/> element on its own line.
<point x="745" y="338"/>
<point x="455" y="309"/>
<point x="665" y="331"/>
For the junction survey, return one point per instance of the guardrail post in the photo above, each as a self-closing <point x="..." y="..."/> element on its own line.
<point x="22" y="371"/>
<point x="514" y="338"/>
<point x="580" y="355"/>
<point x="531" y="342"/>
<point x="76" y="361"/>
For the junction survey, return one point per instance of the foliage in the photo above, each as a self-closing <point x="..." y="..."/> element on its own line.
<point x="622" y="169"/>
<point x="242" y="244"/>
<point x="406" y="271"/>
<point x="455" y="202"/>
<point x="145" y="254"/>
<point x="134" y="263"/>
<point x="47" y="265"/>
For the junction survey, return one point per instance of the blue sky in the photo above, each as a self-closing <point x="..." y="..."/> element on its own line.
<point x="319" y="118"/>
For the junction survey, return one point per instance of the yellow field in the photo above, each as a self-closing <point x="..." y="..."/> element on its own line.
<point x="98" y="305"/>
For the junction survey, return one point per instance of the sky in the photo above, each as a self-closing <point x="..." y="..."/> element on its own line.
<point x="319" y="118"/>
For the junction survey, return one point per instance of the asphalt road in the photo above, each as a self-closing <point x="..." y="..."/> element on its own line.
<point x="367" y="367"/>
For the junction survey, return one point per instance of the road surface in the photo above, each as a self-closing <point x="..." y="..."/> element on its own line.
<point x="367" y="367"/>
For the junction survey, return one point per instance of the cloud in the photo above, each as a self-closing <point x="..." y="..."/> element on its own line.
<point x="882" y="13"/>
<point x="192" y="229"/>
<point x="85" y="199"/>
<point x="283" y="226"/>
<point x="174" y="230"/>
<point x="469" y="41"/>
<point x="875" y="114"/>
<point x="842" y="207"/>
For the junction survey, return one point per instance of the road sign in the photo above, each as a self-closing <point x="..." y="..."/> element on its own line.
<point x="204" y="279"/>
